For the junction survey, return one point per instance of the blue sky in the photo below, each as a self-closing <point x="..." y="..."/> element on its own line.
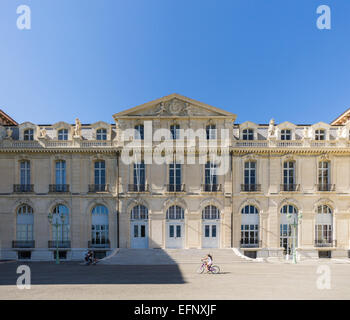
<point x="260" y="59"/>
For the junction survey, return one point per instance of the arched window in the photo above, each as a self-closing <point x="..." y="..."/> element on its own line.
<point x="210" y="213"/>
<point x="139" y="212"/>
<point x="175" y="213"/>
<point x="286" y="234"/>
<point x="63" y="134"/>
<point x="324" y="226"/>
<point x="25" y="223"/>
<point x="250" y="227"/>
<point x="61" y="217"/>
<point x="101" y="134"/>
<point x="99" y="226"/>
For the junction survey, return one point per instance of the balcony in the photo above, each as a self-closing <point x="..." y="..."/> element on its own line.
<point x="325" y="243"/>
<point x="61" y="244"/>
<point x="92" y="244"/>
<point x="326" y="187"/>
<point x="250" y="187"/>
<point x="290" y="187"/>
<point x="59" y="188"/>
<point x="211" y="187"/>
<point x="23" y="244"/>
<point x="93" y="188"/>
<point x="18" y="188"/>
<point x="175" y="187"/>
<point x="138" y="188"/>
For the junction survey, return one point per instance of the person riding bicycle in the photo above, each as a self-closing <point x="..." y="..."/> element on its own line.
<point x="208" y="259"/>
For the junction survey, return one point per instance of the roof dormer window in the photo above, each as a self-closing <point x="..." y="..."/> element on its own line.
<point x="320" y="134"/>
<point x="248" y="134"/>
<point x="28" y="135"/>
<point x="286" y="134"/>
<point x="63" y="134"/>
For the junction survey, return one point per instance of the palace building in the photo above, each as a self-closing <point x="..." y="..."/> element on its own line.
<point x="101" y="186"/>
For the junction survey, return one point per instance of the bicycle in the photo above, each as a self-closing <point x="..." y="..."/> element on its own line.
<point x="212" y="269"/>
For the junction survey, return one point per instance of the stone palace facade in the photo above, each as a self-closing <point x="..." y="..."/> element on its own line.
<point x="72" y="186"/>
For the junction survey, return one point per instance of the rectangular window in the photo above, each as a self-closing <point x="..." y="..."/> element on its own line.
<point x="320" y="135"/>
<point x="210" y="174"/>
<point x="99" y="234"/>
<point x="100" y="173"/>
<point x="249" y="235"/>
<point x="211" y="132"/>
<point x="139" y="132"/>
<point x="178" y="231"/>
<point x="139" y="176"/>
<point x="286" y="238"/>
<point x="323" y="234"/>
<point x="175" y="177"/>
<point x="101" y="134"/>
<point x="24" y="232"/>
<point x="60" y="173"/>
<point x="62" y="232"/>
<point x="213" y="231"/>
<point x="288" y="174"/>
<point x="207" y="231"/>
<point x="136" y="231"/>
<point x="63" y="134"/>
<point x="286" y="135"/>
<point x="28" y="135"/>
<point x="248" y="134"/>
<point x="250" y="173"/>
<point x="171" y="231"/>
<point x="25" y="173"/>
<point x="143" y="231"/>
<point x="323" y="175"/>
<point x="175" y="131"/>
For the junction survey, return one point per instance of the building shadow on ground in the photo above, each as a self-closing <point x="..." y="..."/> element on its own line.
<point x="50" y="273"/>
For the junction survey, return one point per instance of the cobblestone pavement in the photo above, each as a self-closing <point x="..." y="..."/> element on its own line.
<point x="72" y="280"/>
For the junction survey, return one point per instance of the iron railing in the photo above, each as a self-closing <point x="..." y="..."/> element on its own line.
<point x="290" y="187"/>
<point x="98" y="187"/>
<point x="61" y="244"/>
<point x="23" y="244"/>
<point x="23" y="188"/>
<point x="138" y="188"/>
<point x="250" y="187"/>
<point x="59" y="188"/>
<point x="92" y="244"/>
<point x="211" y="187"/>
<point x="175" y="187"/>
<point x="326" y="187"/>
<point x="321" y="243"/>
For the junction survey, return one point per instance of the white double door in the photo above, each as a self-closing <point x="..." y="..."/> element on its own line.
<point x="139" y="234"/>
<point x="175" y="234"/>
<point x="210" y="233"/>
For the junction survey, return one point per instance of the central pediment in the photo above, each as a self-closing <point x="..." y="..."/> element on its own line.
<point x="174" y="105"/>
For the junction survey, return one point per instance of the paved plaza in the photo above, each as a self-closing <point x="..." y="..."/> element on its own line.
<point x="238" y="280"/>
